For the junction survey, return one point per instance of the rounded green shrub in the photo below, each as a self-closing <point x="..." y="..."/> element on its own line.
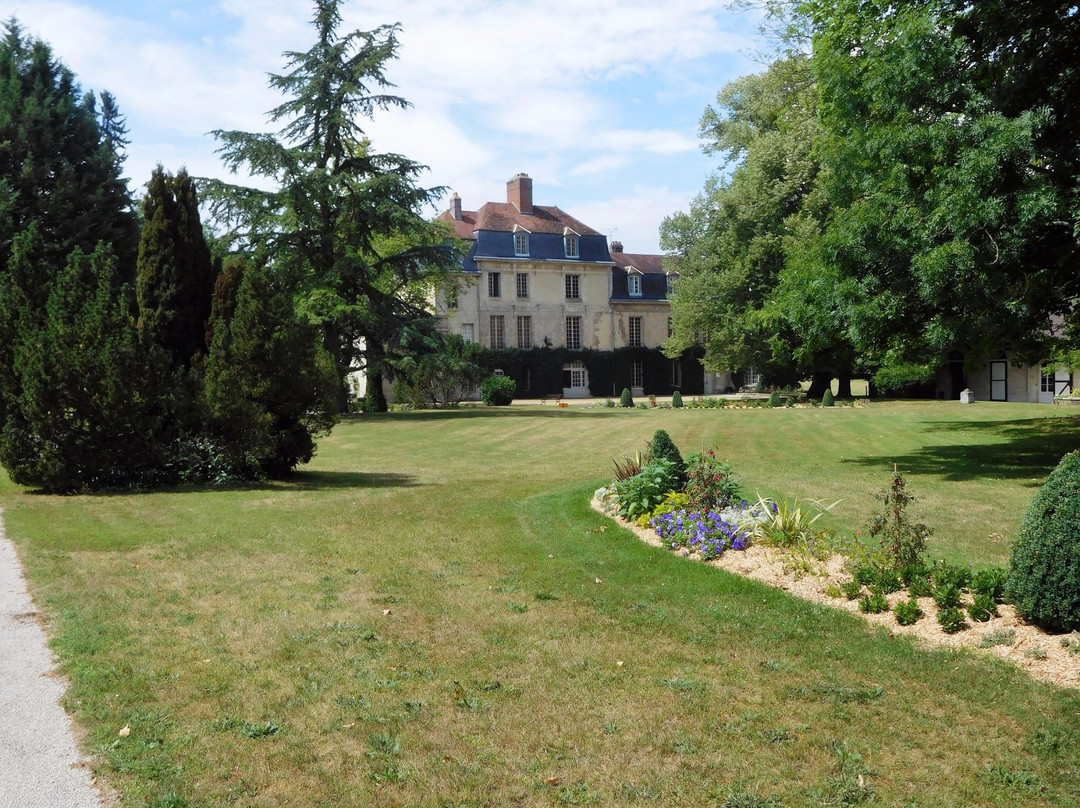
<point x="874" y="604"/>
<point x="828" y="399"/>
<point x="990" y="581"/>
<point x="498" y="391"/>
<point x="1044" y="571"/>
<point x="774" y="399"/>
<point x="982" y="608"/>
<point x="947" y="596"/>
<point x="907" y="612"/>
<point x="852" y="590"/>
<point x="626" y="400"/>
<point x="676" y="400"/>
<point x="951" y="620"/>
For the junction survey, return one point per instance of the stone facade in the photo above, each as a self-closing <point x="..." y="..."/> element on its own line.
<point x="536" y="277"/>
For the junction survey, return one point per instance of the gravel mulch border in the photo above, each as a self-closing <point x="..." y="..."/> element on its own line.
<point x="1038" y="652"/>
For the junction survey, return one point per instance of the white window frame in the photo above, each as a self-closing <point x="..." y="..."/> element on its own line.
<point x="751" y="378"/>
<point x="524" y="331"/>
<point x="521" y="283"/>
<point x="494" y="284"/>
<point x="521" y="242"/>
<point x="468" y="332"/>
<point x="571" y="244"/>
<point x="633" y="284"/>
<point x="637" y="373"/>
<point x="634" y="332"/>
<point x="578" y="374"/>
<point x="497" y="333"/>
<point x="573" y="333"/>
<point x="573" y="287"/>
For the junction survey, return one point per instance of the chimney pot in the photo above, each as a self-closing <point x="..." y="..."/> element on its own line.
<point x="455" y="206"/>
<point x="519" y="193"/>
<point x="616" y="246"/>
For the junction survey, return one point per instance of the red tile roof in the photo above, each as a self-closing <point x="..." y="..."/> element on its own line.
<point x="502" y="216"/>
<point x="647" y="264"/>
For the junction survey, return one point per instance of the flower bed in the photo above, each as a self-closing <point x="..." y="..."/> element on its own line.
<point x="690" y="507"/>
<point x="707" y="534"/>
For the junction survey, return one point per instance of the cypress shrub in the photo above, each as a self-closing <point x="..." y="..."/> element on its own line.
<point x="626" y="400"/>
<point x="828" y="399"/>
<point x="676" y="400"/>
<point x="774" y="399"/>
<point x="1044" y="572"/>
<point x="664" y="448"/>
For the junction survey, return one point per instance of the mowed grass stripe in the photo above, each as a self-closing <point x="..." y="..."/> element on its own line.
<point x="241" y="634"/>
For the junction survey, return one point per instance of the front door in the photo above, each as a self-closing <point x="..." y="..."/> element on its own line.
<point x="998" y="374"/>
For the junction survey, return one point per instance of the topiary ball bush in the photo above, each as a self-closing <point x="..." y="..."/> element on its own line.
<point x="676" y="399"/>
<point x="626" y="400"/>
<point x="828" y="399"/>
<point x="1044" y="572"/>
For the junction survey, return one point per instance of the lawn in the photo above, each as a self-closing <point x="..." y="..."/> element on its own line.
<point x="431" y="615"/>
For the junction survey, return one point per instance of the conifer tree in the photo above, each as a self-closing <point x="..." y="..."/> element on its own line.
<point x="58" y="168"/>
<point x="269" y="384"/>
<point x="346" y="220"/>
<point x="175" y="269"/>
<point x="61" y="195"/>
<point x="83" y="414"/>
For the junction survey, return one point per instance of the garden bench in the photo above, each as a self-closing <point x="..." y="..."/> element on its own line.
<point x="557" y="397"/>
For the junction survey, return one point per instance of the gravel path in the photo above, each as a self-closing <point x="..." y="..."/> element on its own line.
<point x="40" y="765"/>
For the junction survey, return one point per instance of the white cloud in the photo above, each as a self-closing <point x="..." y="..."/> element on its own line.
<point x="633" y="217"/>
<point x="656" y="141"/>
<point x="600" y="165"/>
<point x="569" y="92"/>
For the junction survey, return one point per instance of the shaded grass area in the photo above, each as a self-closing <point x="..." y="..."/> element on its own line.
<point x="242" y="633"/>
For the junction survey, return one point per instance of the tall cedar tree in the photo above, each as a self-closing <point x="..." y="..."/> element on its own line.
<point x="269" y="383"/>
<point x="175" y="270"/>
<point x="344" y="221"/>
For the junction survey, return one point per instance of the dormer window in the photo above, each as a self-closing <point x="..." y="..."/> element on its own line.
<point x="671" y="278"/>
<point x="570" y="243"/>
<point x="521" y="241"/>
<point x="633" y="285"/>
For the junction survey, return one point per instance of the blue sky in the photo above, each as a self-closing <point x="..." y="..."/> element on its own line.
<point x="597" y="100"/>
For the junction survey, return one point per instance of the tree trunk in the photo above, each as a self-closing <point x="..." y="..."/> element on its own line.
<point x="375" y="400"/>
<point x="819" y="383"/>
<point x="843" y="388"/>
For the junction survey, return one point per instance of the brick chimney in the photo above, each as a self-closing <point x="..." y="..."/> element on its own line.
<point x="616" y="246"/>
<point x="519" y="193"/>
<point x="455" y="206"/>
